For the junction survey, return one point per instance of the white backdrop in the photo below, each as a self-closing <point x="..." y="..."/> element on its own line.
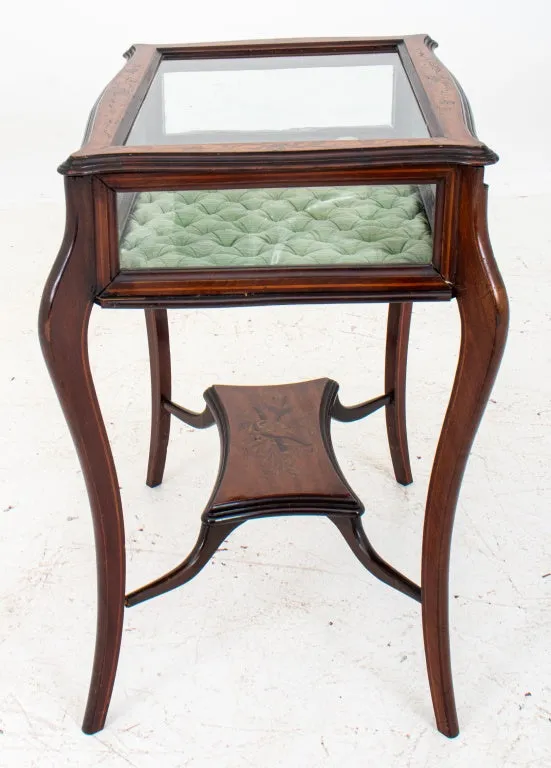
<point x="278" y="667"/>
<point x="57" y="56"/>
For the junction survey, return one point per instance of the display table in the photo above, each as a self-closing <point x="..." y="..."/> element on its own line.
<point x="277" y="172"/>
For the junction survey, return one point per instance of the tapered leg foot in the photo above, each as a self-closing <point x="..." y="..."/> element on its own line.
<point x="159" y="360"/>
<point x="63" y="326"/>
<point x="397" y="339"/>
<point x="210" y="538"/>
<point x="354" y="535"/>
<point x="483" y="307"/>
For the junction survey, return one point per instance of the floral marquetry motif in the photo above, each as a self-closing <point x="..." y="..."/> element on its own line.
<point x="276" y="451"/>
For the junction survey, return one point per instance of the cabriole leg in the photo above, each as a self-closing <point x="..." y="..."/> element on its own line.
<point x="63" y="326"/>
<point x="483" y="308"/>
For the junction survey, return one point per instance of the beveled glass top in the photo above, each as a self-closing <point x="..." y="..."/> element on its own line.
<point x="278" y="99"/>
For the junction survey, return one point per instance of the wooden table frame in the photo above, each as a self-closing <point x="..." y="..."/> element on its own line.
<point x="87" y="272"/>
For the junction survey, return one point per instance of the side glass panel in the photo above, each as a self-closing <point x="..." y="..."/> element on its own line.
<point x="361" y="225"/>
<point x="278" y="99"/>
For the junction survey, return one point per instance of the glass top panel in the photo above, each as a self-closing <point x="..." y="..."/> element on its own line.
<point x="278" y="99"/>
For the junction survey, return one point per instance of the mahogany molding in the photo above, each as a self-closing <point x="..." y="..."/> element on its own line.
<point x="248" y="287"/>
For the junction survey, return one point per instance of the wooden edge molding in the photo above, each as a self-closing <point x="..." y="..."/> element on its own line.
<point x="375" y="154"/>
<point x="310" y="172"/>
<point x="175" y="301"/>
<point x="244" y="287"/>
<point x="283" y="46"/>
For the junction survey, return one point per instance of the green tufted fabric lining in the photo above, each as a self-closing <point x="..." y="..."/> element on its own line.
<point x="300" y="226"/>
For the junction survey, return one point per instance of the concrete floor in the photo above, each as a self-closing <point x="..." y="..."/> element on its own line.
<point x="284" y="651"/>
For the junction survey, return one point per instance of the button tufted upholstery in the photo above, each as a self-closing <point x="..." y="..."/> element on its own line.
<point x="362" y="225"/>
